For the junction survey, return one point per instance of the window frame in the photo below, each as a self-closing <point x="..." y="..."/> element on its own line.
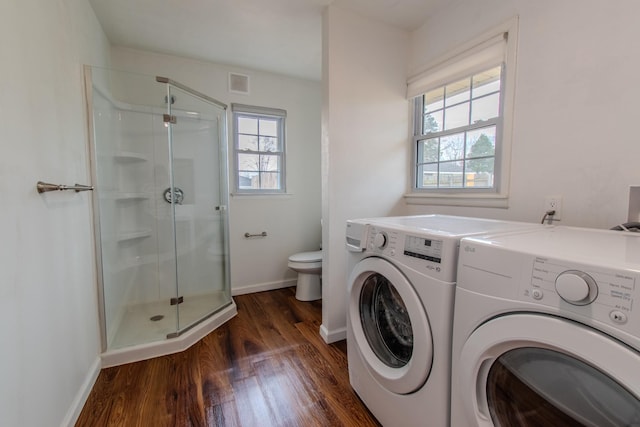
<point x="459" y="63"/>
<point x="254" y="112"/>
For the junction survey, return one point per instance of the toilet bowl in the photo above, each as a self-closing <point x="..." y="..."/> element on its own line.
<point x="308" y="265"/>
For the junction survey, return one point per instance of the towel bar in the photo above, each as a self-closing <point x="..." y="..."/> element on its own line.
<point x="43" y="187"/>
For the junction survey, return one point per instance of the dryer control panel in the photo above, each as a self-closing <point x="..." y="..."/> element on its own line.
<point x="603" y="293"/>
<point x="591" y="276"/>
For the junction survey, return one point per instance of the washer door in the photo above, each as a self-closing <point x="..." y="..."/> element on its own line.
<point x="390" y="326"/>
<point x="532" y="370"/>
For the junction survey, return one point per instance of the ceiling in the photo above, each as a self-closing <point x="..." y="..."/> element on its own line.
<point x="281" y="36"/>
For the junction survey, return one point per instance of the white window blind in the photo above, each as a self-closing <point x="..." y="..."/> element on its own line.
<point x="459" y="65"/>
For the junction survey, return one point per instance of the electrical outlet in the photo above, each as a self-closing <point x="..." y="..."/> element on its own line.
<point x="554" y="203"/>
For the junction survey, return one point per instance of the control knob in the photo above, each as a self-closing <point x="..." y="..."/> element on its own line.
<point x="380" y="240"/>
<point x="576" y="287"/>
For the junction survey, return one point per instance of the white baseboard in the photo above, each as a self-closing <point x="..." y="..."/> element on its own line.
<point x="83" y="393"/>
<point x="261" y="287"/>
<point x="333" y="336"/>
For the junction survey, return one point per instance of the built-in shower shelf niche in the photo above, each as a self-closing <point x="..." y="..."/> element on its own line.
<point x="131" y="196"/>
<point x="123" y="196"/>
<point x="134" y="263"/>
<point x="133" y="235"/>
<point x="130" y="157"/>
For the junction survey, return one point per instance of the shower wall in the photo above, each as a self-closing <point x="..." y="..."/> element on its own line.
<point x="126" y="185"/>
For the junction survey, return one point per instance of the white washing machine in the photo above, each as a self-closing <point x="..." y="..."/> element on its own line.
<point x="547" y="330"/>
<point x="400" y="308"/>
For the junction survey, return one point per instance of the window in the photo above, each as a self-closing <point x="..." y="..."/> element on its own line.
<point x="259" y="149"/>
<point x="462" y="123"/>
<point x="457" y="131"/>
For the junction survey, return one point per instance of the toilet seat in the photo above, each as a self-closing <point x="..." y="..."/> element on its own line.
<point x="310" y="262"/>
<point x="315" y="256"/>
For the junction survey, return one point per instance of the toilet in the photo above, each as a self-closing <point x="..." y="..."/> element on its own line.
<point x="308" y="265"/>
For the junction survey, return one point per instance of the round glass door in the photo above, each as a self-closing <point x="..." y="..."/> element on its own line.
<point x="526" y="370"/>
<point x="535" y="386"/>
<point x="389" y="326"/>
<point x="385" y="321"/>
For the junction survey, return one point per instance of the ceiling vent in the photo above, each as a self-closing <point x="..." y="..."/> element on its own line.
<point x="239" y="83"/>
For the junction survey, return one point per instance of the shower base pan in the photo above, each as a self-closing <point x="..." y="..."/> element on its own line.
<point x="124" y="350"/>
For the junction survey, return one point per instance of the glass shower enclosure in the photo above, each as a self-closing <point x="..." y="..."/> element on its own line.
<point x="159" y="164"/>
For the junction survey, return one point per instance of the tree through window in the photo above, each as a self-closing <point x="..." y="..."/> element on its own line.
<point x="459" y="120"/>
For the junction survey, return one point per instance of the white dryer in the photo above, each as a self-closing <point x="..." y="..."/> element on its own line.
<point x="400" y="308"/>
<point x="547" y="330"/>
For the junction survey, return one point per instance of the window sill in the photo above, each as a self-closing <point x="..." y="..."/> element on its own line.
<point x="476" y="200"/>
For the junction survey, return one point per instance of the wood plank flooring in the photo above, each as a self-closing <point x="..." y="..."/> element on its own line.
<point x="268" y="366"/>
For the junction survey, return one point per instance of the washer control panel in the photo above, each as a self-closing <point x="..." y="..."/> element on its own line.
<point x="420" y="247"/>
<point x="380" y="240"/>
<point x="383" y="241"/>
<point x="607" y="295"/>
<point x="433" y="255"/>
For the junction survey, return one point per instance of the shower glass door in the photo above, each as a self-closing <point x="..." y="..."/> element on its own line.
<point x="158" y="154"/>
<point x="197" y="197"/>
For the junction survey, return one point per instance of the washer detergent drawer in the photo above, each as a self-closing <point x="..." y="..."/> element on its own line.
<point x="534" y="369"/>
<point x="390" y="326"/>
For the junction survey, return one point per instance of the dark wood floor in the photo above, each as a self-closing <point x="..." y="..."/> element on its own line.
<point x="266" y="367"/>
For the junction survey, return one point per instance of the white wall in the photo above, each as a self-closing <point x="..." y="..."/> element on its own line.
<point x="364" y="140"/>
<point x="575" y="131"/>
<point x="292" y="221"/>
<point x="50" y="336"/>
